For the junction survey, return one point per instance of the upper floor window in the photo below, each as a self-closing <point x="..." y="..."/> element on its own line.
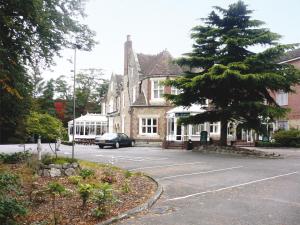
<point x="282" y="98"/>
<point x="157" y="90"/>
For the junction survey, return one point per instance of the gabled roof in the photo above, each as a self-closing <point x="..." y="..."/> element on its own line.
<point x="290" y="55"/>
<point x="141" y="100"/>
<point x="160" y="64"/>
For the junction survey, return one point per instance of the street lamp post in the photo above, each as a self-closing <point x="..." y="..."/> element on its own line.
<point x="73" y="143"/>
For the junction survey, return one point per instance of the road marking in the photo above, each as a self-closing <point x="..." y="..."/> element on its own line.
<point x="198" y="173"/>
<point x="179" y="164"/>
<point x="136" y="159"/>
<point x="230" y="187"/>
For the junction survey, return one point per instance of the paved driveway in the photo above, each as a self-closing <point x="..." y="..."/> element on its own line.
<point x="209" y="189"/>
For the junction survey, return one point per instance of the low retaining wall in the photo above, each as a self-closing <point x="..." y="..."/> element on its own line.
<point x="236" y="151"/>
<point x="58" y="170"/>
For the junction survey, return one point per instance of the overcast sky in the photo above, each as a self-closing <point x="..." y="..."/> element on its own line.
<point x="155" y="25"/>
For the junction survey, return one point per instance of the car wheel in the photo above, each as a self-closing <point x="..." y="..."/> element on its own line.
<point x="101" y="146"/>
<point x="117" y="145"/>
<point x="132" y="143"/>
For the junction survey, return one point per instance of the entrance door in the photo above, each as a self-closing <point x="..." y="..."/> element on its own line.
<point x="178" y="133"/>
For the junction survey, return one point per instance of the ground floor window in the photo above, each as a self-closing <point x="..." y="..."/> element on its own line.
<point x="283" y="125"/>
<point x="197" y="129"/>
<point x="171" y="125"/>
<point x="214" y="128"/>
<point x="148" y="126"/>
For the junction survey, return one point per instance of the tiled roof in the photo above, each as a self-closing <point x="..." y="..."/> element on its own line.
<point x="160" y="64"/>
<point x="290" y="55"/>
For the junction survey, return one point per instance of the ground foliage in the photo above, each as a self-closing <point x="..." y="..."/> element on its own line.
<point x="237" y="81"/>
<point x="61" y="200"/>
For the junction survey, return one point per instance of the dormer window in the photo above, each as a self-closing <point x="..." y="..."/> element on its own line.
<point x="157" y="89"/>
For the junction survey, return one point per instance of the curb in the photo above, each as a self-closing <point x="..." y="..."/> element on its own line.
<point x="262" y="154"/>
<point x="140" y="208"/>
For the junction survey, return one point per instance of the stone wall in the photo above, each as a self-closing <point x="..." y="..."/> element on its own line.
<point x="58" y="170"/>
<point x="148" y="111"/>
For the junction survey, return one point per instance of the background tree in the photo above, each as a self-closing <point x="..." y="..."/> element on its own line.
<point x="49" y="127"/>
<point x="32" y="32"/>
<point x="236" y="80"/>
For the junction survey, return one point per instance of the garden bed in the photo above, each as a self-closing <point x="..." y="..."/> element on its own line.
<point x="123" y="190"/>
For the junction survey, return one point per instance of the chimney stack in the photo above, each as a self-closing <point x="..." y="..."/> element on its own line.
<point x="127" y="50"/>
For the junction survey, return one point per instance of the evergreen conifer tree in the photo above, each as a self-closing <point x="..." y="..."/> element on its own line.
<point x="238" y="82"/>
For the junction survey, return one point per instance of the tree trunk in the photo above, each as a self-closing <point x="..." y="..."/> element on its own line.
<point x="223" y="138"/>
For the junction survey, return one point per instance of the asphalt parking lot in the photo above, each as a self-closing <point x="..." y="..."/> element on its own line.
<point x="207" y="188"/>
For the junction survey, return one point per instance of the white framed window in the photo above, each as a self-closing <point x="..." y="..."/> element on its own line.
<point x="174" y="90"/>
<point x="197" y="129"/>
<point x="148" y="125"/>
<point x="282" y="98"/>
<point x="157" y="89"/>
<point x="171" y="126"/>
<point x="284" y="125"/>
<point x="214" y="128"/>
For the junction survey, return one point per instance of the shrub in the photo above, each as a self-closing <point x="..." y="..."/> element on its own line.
<point x="75" y="179"/>
<point x="10" y="206"/>
<point x="85" y="173"/>
<point x="85" y="191"/>
<point x="126" y="186"/>
<point x="55" y="189"/>
<point x="9" y="183"/>
<point x="267" y="144"/>
<point x="14" y="158"/>
<point x="103" y="197"/>
<point x="288" y="138"/>
<point x="127" y="174"/>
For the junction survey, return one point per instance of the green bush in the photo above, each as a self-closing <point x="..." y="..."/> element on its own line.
<point x="14" y="158"/>
<point x="287" y="138"/>
<point x="85" y="173"/>
<point x="75" y="179"/>
<point x="267" y="144"/>
<point x="103" y="197"/>
<point x="10" y="206"/>
<point x="85" y="190"/>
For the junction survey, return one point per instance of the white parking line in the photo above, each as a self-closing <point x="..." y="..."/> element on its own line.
<point x="136" y="159"/>
<point x="203" y="172"/>
<point x="151" y="167"/>
<point x="230" y="187"/>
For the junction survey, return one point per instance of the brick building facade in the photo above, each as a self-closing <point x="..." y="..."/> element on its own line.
<point x="290" y="100"/>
